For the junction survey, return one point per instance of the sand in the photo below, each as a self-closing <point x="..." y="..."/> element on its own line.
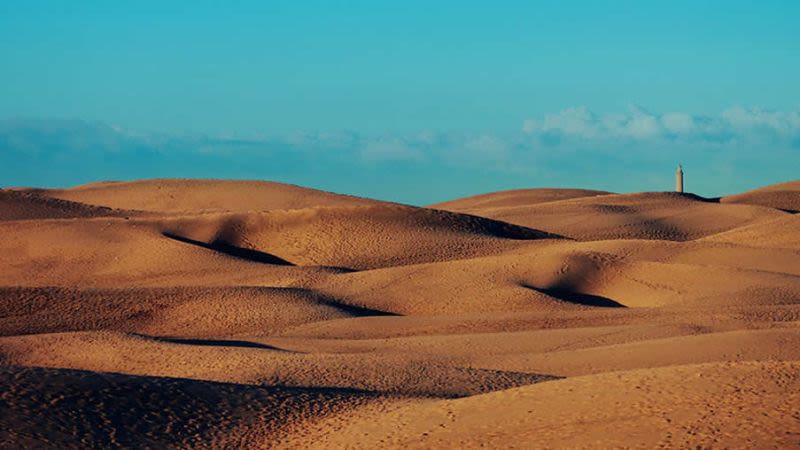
<point x="214" y="313"/>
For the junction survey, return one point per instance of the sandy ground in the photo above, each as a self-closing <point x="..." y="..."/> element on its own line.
<point x="208" y="313"/>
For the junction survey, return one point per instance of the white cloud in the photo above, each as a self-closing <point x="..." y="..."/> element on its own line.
<point x="578" y="121"/>
<point x="572" y="130"/>
<point x="678" y="123"/>
<point x="756" y="118"/>
<point x="390" y="149"/>
<point x="641" y="124"/>
<point x="734" y="124"/>
<point x="488" y="146"/>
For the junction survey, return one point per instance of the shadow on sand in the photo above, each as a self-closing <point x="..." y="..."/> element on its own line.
<point x="213" y="342"/>
<point x="232" y="250"/>
<point x="577" y="297"/>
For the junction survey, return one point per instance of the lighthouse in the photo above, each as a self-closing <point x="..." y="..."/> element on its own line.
<point x="679" y="179"/>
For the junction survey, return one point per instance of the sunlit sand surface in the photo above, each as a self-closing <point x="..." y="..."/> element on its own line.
<point x="208" y="313"/>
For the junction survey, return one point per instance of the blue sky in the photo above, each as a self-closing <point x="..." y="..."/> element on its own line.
<point x="411" y="101"/>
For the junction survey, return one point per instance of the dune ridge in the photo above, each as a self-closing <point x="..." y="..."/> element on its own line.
<point x="195" y="195"/>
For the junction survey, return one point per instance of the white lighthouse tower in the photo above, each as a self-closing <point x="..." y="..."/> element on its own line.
<point x="679" y="179"/>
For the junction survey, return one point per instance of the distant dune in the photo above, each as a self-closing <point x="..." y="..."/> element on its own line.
<point x="214" y="313"/>
<point x="781" y="196"/>
<point x="15" y="205"/>
<point x="187" y="195"/>
<point x="649" y="215"/>
<point x="518" y="197"/>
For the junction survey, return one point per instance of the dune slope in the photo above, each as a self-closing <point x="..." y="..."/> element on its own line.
<point x="652" y="215"/>
<point x="785" y="196"/>
<point x="16" y="205"/>
<point x="689" y="406"/>
<point x="79" y="409"/>
<point x="183" y="195"/>
<point x="516" y="197"/>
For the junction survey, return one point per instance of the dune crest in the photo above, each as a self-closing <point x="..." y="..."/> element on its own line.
<point x="185" y="195"/>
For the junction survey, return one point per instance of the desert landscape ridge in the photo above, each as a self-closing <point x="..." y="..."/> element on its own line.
<point x="200" y="313"/>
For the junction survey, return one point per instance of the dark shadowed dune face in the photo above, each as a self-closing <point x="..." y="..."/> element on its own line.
<point x="247" y="314"/>
<point x="569" y="295"/>
<point x="133" y="411"/>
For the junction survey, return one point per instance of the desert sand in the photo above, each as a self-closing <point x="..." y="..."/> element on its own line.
<point x="248" y="314"/>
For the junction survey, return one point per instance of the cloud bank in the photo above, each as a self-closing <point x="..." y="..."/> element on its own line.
<point x="637" y="150"/>
<point x="734" y="125"/>
<point x="576" y="128"/>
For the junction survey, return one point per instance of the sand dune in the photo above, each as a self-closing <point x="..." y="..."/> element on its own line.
<point x="185" y="249"/>
<point x="725" y="405"/>
<point x="184" y="195"/>
<point x="184" y="311"/>
<point x="567" y="275"/>
<point x="251" y="362"/>
<point x="78" y="409"/>
<point x="785" y="196"/>
<point x="16" y="205"/>
<point x="361" y="237"/>
<point x="516" y="197"/>
<point x="740" y="345"/>
<point x="780" y="233"/>
<point x="110" y="252"/>
<point x="210" y="313"/>
<point x="652" y="215"/>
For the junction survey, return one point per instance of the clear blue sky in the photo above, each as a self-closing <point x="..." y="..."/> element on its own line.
<point x="481" y="95"/>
